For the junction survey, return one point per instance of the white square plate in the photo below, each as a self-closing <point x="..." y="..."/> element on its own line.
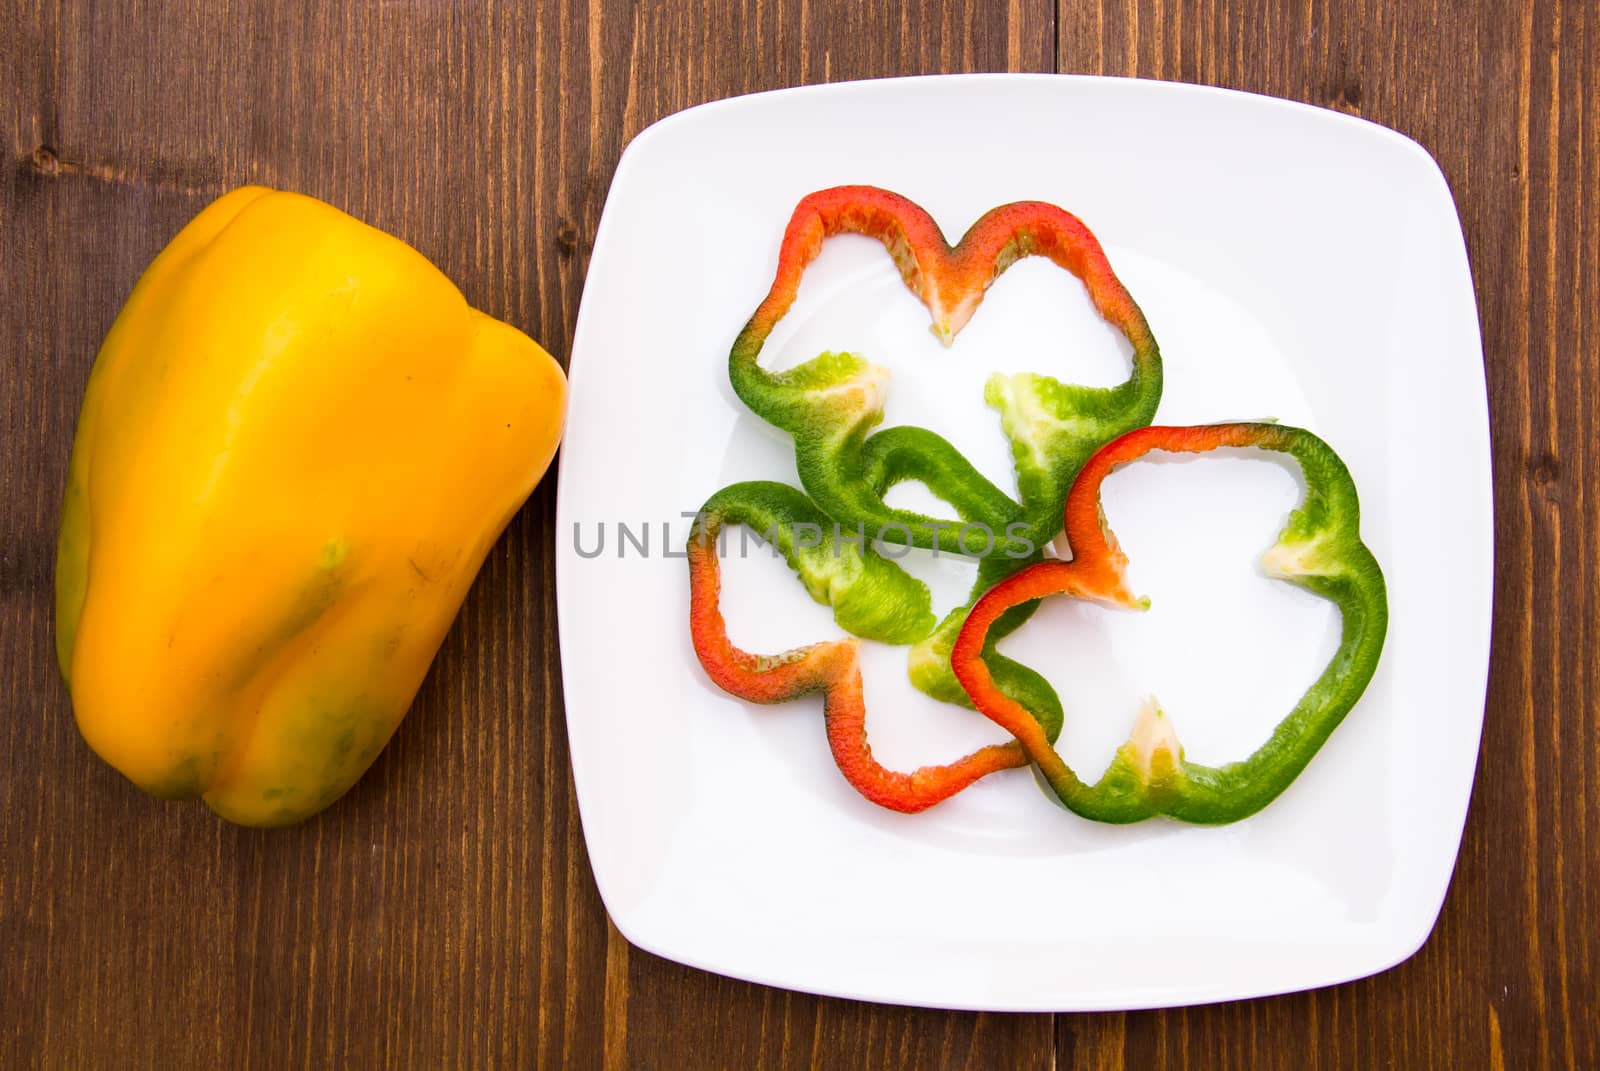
<point x="1293" y="263"/>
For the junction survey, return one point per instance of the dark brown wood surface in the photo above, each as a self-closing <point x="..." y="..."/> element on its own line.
<point x="443" y="915"/>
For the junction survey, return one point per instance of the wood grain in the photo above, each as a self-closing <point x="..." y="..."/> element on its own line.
<point x="443" y="915"/>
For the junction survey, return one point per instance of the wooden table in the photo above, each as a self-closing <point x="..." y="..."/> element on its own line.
<point x="443" y="915"/>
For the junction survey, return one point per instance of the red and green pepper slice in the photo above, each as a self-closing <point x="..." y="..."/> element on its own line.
<point x="830" y="403"/>
<point x="1319" y="549"/>
<point x="870" y="596"/>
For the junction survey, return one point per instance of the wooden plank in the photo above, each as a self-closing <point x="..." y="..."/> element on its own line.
<point x="443" y="914"/>
<point x="1505" y="96"/>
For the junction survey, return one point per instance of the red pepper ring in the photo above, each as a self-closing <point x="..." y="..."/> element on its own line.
<point x="1319" y="549"/>
<point x="832" y="668"/>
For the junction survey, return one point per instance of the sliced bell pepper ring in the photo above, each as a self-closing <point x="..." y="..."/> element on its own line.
<point x="1319" y="549"/>
<point x="830" y="403"/>
<point x="870" y="596"/>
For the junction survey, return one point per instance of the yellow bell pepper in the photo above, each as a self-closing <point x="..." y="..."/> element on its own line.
<point x="297" y="444"/>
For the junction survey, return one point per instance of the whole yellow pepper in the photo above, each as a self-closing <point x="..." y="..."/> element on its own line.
<point x="297" y="444"/>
